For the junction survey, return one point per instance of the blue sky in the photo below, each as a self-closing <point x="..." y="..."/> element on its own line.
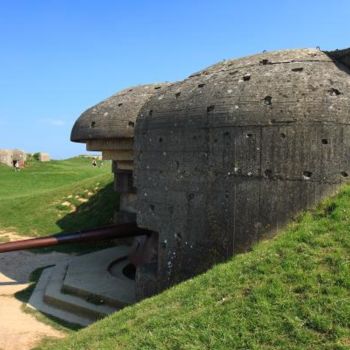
<point x="60" y="57"/>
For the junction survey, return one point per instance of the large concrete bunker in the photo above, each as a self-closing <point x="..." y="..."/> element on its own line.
<point x="222" y="159"/>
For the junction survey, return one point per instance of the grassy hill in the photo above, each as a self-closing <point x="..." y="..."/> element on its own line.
<point x="292" y="292"/>
<point x="56" y="196"/>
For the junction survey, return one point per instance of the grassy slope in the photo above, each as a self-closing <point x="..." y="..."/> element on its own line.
<point x="31" y="200"/>
<point x="292" y="292"/>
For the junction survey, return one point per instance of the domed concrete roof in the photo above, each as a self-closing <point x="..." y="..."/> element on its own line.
<point x="114" y="117"/>
<point x="281" y="86"/>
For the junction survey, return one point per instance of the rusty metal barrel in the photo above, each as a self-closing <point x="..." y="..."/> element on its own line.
<point x="98" y="234"/>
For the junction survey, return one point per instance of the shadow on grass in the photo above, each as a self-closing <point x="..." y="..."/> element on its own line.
<point x="96" y="212"/>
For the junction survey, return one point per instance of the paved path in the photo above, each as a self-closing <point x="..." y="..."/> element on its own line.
<point x="20" y="330"/>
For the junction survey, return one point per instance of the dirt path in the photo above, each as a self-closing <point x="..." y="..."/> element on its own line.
<point x="19" y="330"/>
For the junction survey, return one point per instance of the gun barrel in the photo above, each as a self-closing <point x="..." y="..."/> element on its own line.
<point x="102" y="233"/>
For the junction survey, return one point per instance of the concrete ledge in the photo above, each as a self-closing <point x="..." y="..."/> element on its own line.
<point x="36" y="302"/>
<point x="53" y="296"/>
<point x="88" y="277"/>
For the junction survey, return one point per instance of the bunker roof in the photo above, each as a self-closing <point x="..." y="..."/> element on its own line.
<point x="114" y="117"/>
<point x="262" y="89"/>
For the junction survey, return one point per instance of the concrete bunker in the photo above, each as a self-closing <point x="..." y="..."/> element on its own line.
<point x="224" y="158"/>
<point x="205" y="167"/>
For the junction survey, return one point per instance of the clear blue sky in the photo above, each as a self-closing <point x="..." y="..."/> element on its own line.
<point x="60" y="57"/>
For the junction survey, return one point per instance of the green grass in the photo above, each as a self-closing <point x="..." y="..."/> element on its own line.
<point x="56" y="196"/>
<point x="291" y="292"/>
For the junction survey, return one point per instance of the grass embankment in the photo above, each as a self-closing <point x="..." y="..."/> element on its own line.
<point x="56" y="196"/>
<point x="292" y="292"/>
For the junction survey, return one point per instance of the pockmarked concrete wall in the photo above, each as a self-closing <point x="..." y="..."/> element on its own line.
<point x="231" y="154"/>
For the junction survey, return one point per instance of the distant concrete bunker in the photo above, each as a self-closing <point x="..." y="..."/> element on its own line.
<point x="224" y="158"/>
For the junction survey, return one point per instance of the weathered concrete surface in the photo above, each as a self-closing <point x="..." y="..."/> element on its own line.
<point x="109" y="127"/>
<point x="227" y="156"/>
<point x="115" y="117"/>
<point x="85" y="288"/>
<point x="37" y="302"/>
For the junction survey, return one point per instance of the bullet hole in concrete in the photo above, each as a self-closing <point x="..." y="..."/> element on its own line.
<point x="268" y="173"/>
<point x="120" y="104"/>
<point x="283" y="135"/>
<point x="93" y="124"/>
<point x="298" y="69"/>
<point x="344" y="174"/>
<point x="227" y="195"/>
<point x="157" y="87"/>
<point x="248" y="136"/>
<point x="150" y="113"/>
<point x="226" y="134"/>
<point x="325" y="141"/>
<point x="131" y="124"/>
<point x="334" y="92"/>
<point x="264" y="62"/>
<point x="152" y="207"/>
<point x="160" y="140"/>
<point x="201" y="85"/>
<point x="268" y="100"/>
<point x="177" y="164"/>
<point x="210" y="108"/>
<point x="178" y="237"/>
<point x="177" y="95"/>
<point x="191" y="196"/>
<point x="246" y="77"/>
<point x="307" y="175"/>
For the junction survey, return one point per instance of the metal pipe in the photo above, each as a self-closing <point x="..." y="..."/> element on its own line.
<point x="102" y="233"/>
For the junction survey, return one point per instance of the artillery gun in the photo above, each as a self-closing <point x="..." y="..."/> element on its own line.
<point x="212" y="164"/>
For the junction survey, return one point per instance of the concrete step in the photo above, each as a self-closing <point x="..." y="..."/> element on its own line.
<point x="86" y="288"/>
<point x="89" y="277"/>
<point x="53" y="296"/>
<point x="37" y="302"/>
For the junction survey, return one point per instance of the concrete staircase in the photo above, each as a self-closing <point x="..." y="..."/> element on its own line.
<point x="85" y="289"/>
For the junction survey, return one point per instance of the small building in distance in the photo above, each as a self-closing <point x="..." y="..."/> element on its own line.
<point x="43" y="157"/>
<point x="8" y="157"/>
